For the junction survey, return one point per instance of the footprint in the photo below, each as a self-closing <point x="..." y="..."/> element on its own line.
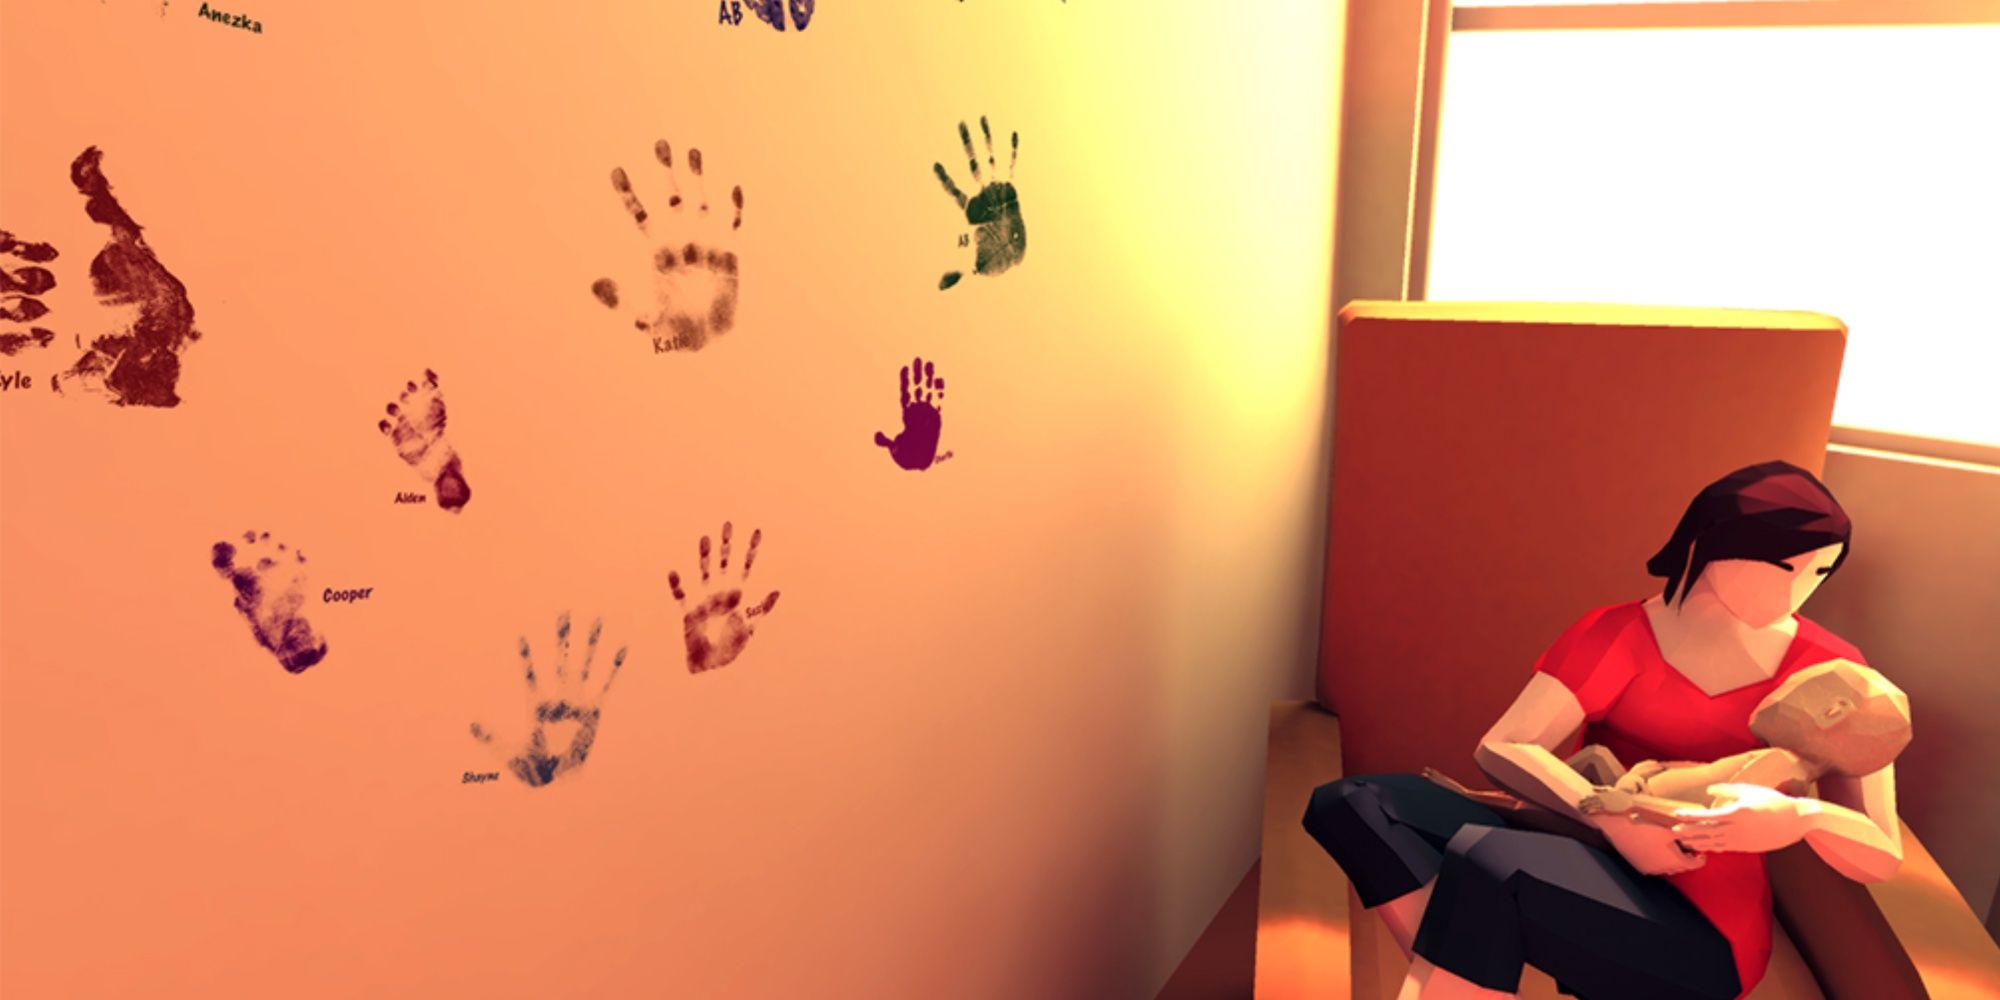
<point x="271" y="591"/>
<point x="719" y="627"/>
<point x="561" y="704"/>
<point x="1001" y="239"/>
<point x="19" y="291"/>
<point x="916" y="447"/>
<point x="417" y="428"/>
<point x="694" y="287"/>
<point x="772" y="12"/>
<point x="139" y="362"/>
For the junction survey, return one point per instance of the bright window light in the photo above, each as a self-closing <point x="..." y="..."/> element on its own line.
<point x="1853" y="171"/>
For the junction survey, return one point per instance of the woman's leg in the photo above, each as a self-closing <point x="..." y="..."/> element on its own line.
<point x="1388" y="833"/>
<point x="1507" y="897"/>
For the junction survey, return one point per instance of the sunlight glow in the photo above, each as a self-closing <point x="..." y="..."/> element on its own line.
<point x="1849" y="171"/>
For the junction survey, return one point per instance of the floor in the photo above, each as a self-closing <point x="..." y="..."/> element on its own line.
<point x="1222" y="964"/>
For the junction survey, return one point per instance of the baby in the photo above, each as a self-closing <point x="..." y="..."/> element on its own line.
<point x="1838" y="716"/>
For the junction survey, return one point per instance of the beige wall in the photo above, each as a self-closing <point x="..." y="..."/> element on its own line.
<point x="1921" y="597"/>
<point x="1003" y="736"/>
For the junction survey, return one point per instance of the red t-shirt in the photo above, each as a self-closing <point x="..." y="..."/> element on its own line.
<point x="1641" y="708"/>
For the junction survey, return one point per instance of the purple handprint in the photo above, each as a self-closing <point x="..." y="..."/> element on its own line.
<point x="916" y="448"/>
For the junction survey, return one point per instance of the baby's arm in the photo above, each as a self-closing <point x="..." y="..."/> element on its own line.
<point x="1651" y="790"/>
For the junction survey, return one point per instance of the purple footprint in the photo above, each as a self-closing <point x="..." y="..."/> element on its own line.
<point x="271" y="591"/>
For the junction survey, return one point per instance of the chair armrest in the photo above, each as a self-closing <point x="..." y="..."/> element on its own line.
<point x="1910" y="936"/>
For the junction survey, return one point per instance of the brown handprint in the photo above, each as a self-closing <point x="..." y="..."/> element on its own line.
<point x="18" y="291"/>
<point x="694" y="288"/>
<point x="535" y="763"/>
<point x="719" y="627"/>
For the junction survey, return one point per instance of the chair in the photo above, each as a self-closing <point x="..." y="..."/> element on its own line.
<point x="1498" y="469"/>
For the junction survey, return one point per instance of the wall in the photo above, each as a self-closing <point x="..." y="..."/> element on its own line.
<point x="1918" y="598"/>
<point x="1004" y="734"/>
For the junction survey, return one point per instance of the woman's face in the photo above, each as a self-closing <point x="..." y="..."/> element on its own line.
<point x="1761" y="594"/>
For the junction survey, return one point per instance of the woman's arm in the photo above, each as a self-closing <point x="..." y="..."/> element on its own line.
<point x="1853" y="825"/>
<point x="1515" y="753"/>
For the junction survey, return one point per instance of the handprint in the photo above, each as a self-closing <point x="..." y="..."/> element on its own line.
<point x="139" y="362"/>
<point x="694" y="288"/>
<point x="718" y="628"/>
<point x="536" y="763"/>
<point x="772" y="12"/>
<point x="18" y="291"/>
<point x="916" y="447"/>
<point x="1002" y="239"/>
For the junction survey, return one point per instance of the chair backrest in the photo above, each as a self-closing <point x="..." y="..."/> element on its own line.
<point x="1500" y="469"/>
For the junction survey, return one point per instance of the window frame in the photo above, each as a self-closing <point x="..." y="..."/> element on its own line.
<point x="1728" y="14"/>
<point x="1744" y="14"/>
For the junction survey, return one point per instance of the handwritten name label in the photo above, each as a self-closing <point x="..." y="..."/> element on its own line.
<point x="333" y="596"/>
<point x="478" y="778"/>
<point x="233" y="20"/>
<point x="16" y="381"/>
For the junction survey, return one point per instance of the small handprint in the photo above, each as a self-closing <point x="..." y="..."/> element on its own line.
<point x="1002" y="239"/>
<point x="18" y="291"/>
<point x="923" y="394"/>
<point x="772" y="12"/>
<point x="556" y="706"/>
<point x="719" y="627"/>
<point x="694" y="288"/>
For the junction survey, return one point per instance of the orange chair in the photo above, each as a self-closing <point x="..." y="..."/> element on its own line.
<point x="1498" y="469"/>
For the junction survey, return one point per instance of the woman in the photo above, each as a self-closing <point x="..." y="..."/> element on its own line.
<point x="1681" y="912"/>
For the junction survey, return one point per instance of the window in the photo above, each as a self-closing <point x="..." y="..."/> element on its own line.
<point x="1845" y="170"/>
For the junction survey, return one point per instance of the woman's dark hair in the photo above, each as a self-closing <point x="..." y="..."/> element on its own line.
<point x="1770" y="512"/>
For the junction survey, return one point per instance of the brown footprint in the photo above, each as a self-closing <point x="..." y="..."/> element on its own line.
<point x="140" y="364"/>
<point x="694" y="287"/>
<point x="271" y="591"/>
<point x="417" y="428"/>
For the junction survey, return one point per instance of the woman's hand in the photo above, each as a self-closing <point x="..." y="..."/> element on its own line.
<point x="1747" y="818"/>
<point x="1653" y="850"/>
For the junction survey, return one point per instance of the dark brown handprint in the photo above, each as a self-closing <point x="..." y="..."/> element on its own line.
<point x="1002" y="238"/>
<point x="19" y="290"/>
<point x="558" y="706"/>
<point x="139" y="362"/>
<point x="720" y="626"/>
<point x="923" y="395"/>
<point x="694" y="287"/>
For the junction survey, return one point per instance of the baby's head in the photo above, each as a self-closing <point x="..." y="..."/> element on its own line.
<point x="1839" y="715"/>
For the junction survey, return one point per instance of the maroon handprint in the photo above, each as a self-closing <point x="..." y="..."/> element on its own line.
<point x="916" y="448"/>
<point x="719" y="627"/>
